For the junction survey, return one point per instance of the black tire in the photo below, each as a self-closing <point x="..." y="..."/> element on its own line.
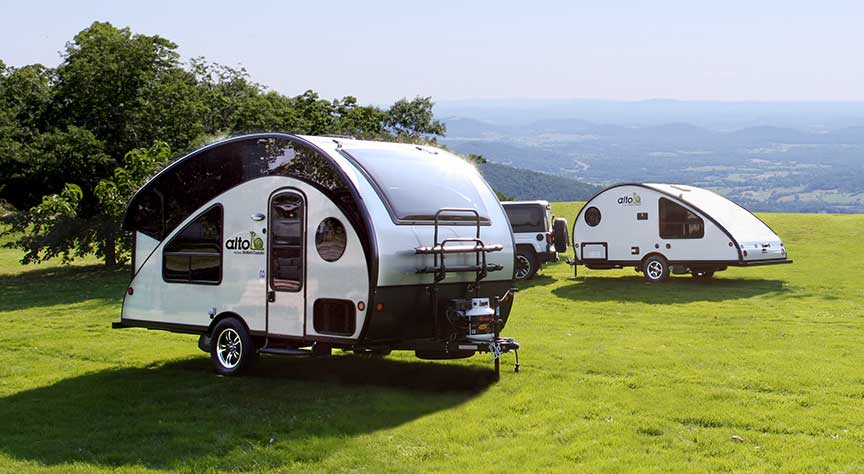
<point x="656" y="269"/>
<point x="232" y="349"/>
<point x="526" y="265"/>
<point x="560" y="234"/>
<point x="702" y="274"/>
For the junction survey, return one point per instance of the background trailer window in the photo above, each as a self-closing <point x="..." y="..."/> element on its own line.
<point x="678" y="222"/>
<point x="194" y="255"/>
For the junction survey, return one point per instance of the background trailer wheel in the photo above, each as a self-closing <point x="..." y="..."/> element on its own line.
<point x="232" y="350"/>
<point x="656" y="269"/>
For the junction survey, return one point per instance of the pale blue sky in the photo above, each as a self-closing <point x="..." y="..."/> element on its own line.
<point x="383" y="50"/>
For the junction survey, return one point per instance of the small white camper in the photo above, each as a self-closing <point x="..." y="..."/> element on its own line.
<point x="285" y="244"/>
<point x="670" y="228"/>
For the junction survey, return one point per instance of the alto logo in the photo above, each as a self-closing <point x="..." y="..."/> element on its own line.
<point x="630" y="200"/>
<point x="241" y="244"/>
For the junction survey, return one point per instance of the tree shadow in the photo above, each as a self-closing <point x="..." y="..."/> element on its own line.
<point x="181" y="414"/>
<point x="634" y="289"/>
<point x="61" y="286"/>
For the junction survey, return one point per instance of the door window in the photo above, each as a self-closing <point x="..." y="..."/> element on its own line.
<point x="286" y="242"/>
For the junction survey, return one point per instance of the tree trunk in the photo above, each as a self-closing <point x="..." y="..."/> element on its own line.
<point x="110" y="250"/>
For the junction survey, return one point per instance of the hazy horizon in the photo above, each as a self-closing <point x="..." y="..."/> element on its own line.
<point x="737" y="51"/>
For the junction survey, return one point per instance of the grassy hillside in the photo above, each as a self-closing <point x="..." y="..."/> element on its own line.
<point x="757" y="370"/>
<point x="526" y="184"/>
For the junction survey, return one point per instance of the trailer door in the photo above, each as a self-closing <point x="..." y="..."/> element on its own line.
<point x="286" y="264"/>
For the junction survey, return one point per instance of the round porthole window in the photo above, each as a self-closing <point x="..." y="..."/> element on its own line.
<point x="330" y="239"/>
<point x="592" y="216"/>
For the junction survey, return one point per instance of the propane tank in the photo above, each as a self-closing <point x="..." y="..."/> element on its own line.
<point x="481" y="320"/>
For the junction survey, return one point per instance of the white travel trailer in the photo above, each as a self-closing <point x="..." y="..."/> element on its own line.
<point x="670" y="228"/>
<point x="284" y="244"/>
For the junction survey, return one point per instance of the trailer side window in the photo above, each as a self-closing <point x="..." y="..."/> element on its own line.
<point x="330" y="239"/>
<point x="286" y="242"/>
<point x="592" y="216"/>
<point x="677" y="222"/>
<point x="194" y="255"/>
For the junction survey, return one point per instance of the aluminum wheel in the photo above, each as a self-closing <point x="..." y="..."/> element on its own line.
<point x="654" y="270"/>
<point x="523" y="267"/>
<point x="228" y="348"/>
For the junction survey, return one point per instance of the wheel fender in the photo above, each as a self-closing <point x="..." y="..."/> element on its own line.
<point x="652" y="254"/>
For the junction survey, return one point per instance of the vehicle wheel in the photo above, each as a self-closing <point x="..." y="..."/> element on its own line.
<point x="232" y="349"/>
<point x="526" y="265"/>
<point x="656" y="269"/>
<point x="560" y="234"/>
<point x="702" y="274"/>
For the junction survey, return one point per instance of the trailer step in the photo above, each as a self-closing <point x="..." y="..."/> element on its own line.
<point x="285" y="351"/>
<point x="491" y="267"/>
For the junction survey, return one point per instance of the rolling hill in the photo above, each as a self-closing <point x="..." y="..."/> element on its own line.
<point x="521" y="184"/>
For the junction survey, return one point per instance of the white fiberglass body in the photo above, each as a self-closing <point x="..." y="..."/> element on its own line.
<point x="687" y="226"/>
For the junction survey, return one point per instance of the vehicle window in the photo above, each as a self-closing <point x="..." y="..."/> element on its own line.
<point x="194" y="255"/>
<point x="526" y="218"/>
<point x="678" y="222"/>
<point x="416" y="183"/>
<point x="592" y="216"/>
<point x="330" y="239"/>
<point x="286" y="242"/>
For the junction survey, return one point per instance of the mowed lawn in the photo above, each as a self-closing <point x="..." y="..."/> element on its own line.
<point x="758" y="370"/>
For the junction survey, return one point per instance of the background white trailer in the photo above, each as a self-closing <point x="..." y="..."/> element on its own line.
<point x="669" y="228"/>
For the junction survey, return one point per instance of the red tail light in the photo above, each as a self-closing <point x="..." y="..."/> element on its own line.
<point x="130" y="291"/>
<point x="745" y="253"/>
<point x="549" y="238"/>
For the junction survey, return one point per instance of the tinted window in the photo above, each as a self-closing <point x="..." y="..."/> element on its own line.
<point x="416" y="183"/>
<point x="194" y="255"/>
<point x="592" y="216"/>
<point x="286" y="242"/>
<point x="526" y="218"/>
<point x="677" y="222"/>
<point x="173" y="195"/>
<point x="330" y="239"/>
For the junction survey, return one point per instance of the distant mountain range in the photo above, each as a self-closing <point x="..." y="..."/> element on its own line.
<point x="765" y="167"/>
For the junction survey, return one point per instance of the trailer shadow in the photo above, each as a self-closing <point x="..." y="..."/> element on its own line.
<point x="180" y="413"/>
<point x="634" y="289"/>
<point x="62" y="285"/>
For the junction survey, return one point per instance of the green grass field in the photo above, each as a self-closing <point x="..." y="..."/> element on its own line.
<point x="757" y="370"/>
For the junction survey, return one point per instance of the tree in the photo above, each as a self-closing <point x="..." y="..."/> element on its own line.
<point x="116" y="91"/>
<point x="62" y="226"/>
<point x="413" y="120"/>
<point x="105" y="80"/>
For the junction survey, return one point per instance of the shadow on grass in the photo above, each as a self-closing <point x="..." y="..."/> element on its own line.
<point x="635" y="289"/>
<point x="181" y="414"/>
<point x="538" y="280"/>
<point x="61" y="285"/>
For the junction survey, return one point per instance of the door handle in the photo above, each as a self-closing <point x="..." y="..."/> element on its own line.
<point x="271" y="296"/>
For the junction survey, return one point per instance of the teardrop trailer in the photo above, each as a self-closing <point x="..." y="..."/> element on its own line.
<point x="669" y="228"/>
<point x="294" y="245"/>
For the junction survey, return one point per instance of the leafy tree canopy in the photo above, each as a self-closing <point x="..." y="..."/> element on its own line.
<point x="78" y="139"/>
